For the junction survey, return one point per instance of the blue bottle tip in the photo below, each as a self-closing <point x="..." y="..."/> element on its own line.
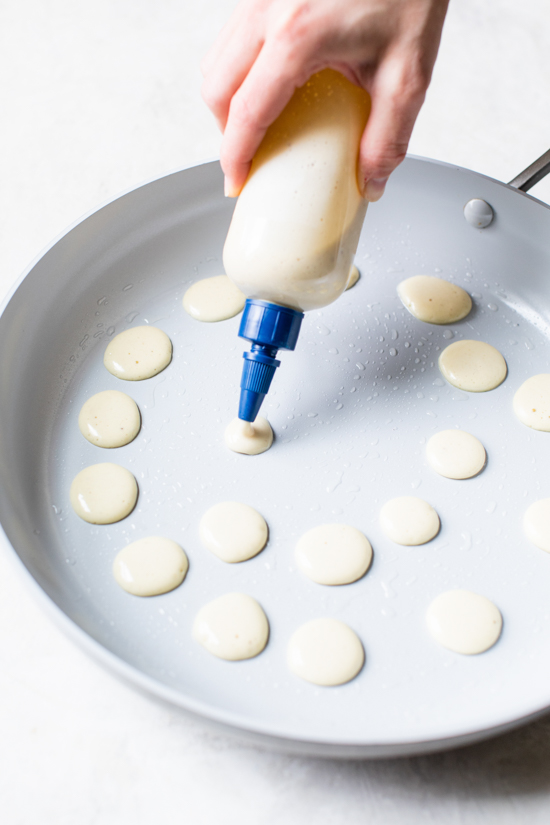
<point x="269" y="327"/>
<point x="249" y="404"/>
<point x="258" y="371"/>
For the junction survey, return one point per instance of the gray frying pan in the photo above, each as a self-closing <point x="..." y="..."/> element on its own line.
<point x="352" y="409"/>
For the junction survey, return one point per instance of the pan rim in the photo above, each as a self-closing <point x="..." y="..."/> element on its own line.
<point x="207" y="161"/>
<point x="234" y="722"/>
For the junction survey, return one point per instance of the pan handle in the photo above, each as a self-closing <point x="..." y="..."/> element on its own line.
<point x="537" y="171"/>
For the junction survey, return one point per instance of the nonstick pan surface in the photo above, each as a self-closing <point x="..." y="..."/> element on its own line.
<point x="352" y="410"/>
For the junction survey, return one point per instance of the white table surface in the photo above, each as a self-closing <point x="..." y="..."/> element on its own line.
<point x="95" y="98"/>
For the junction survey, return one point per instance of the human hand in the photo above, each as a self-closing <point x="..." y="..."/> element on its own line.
<point x="270" y="47"/>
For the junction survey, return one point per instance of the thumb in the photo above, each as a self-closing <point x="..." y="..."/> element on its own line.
<point x="397" y="91"/>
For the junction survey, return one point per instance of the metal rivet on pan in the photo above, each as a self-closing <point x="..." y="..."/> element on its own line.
<point x="478" y="213"/>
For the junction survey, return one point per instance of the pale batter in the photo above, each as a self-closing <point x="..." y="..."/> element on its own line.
<point x="532" y="402"/>
<point x="464" y="622"/>
<point x="473" y="366"/>
<point x="232" y="627"/>
<point x="109" y="419"/>
<point x="249" y="439"/>
<point x="325" y="652"/>
<point x="296" y="224"/>
<point x="409" y="520"/>
<point x="138" y="353"/>
<point x="536" y="523"/>
<point x="213" y="299"/>
<point x="232" y="531"/>
<point x="353" y="277"/>
<point x="333" y="554"/>
<point x="434" y="300"/>
<point x="455" y="454"/>
<point x="103" y="493"/>
<point x="150" y="566"/>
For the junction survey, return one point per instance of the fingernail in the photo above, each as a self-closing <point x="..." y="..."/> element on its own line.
<point x="374" y="189"/>
<point x="229" y="188"/>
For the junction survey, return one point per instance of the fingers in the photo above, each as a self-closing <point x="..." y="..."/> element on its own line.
<point x="398" y="90"/>
<point x="260" y="99"/>
<point x="230" y="59"/>
<point x="227" y="33"/>
<point x="220" y="86"/>
<point x="270" y="47"/>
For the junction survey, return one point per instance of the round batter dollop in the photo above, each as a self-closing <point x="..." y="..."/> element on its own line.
<point x="354" y="276"/>
<point x="109" y="419"/>
<point x="532" y="402"/>
<point x="536" y="523"/>
<point x="333" y="554"/>
<point x="150" y="566"/>
<point x="213" y="299"/>
<point x="103" y="493"/>
<point x="232" y="627"/>
<point x="233" y="531"/>
<point x="249" y="439"/>
<point x="455" y="454"/>
<point x="138" y="353"/>
<point x="409" y="520"/>
<point x="325" y="652"/>
<point x="464" y="622"/>
<point x="434" y="300"/>
<point x="473" y="366"/>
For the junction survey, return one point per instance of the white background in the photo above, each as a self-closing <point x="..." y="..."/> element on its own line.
<point x="96" y="97"/>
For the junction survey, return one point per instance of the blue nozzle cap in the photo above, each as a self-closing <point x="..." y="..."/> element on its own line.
<point x="269" y="327"/>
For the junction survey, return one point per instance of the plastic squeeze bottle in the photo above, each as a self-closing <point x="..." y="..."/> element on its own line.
<point x="297" y="222"/>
